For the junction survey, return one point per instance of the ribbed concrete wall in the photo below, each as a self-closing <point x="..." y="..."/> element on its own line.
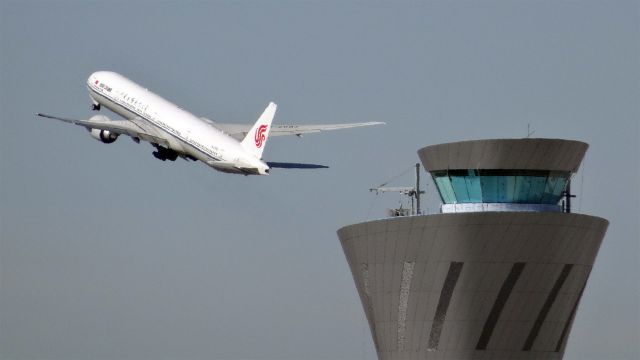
<point x="472" y="285"/>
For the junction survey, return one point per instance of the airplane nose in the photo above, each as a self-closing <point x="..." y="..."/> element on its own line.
<point x="92" y="78"/>
<point x="97" y="76"/>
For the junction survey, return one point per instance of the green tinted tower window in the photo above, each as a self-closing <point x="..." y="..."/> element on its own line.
<point x="500" y="186"/>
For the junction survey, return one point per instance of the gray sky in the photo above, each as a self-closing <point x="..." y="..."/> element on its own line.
<point x="107" y="253"/>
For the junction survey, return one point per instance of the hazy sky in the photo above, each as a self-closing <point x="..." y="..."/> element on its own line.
<point x="108" y="253"/>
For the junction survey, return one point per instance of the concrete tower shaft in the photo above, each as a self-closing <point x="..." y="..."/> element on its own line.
<point x="474" y="285"/>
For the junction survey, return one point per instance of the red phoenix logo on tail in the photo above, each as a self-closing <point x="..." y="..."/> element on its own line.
<point x="259" y="137"/>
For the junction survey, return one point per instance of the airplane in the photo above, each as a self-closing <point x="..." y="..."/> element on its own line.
<point x="175" y="132"/>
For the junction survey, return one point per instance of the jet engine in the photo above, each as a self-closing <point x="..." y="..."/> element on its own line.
<point x="104" y="136"/>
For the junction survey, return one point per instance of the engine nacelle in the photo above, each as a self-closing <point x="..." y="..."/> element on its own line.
<point x="104" y="136"/>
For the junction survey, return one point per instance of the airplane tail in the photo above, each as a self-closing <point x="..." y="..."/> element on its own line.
<point x="255" y="140"/>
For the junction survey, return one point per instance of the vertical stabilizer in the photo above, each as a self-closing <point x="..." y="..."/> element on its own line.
<point x="256" y="139"/>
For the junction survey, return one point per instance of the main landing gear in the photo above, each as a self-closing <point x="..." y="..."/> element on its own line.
<point x="163" y="153"/>
<point x="95" y="107"/>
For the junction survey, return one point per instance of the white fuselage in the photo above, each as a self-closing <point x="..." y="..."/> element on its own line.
<point x="186" y="133"/>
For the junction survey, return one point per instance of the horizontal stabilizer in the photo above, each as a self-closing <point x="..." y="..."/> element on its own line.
<point x="284" y="165"/>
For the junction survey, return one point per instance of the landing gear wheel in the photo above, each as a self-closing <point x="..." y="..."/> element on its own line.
<point x="95" y="107"/>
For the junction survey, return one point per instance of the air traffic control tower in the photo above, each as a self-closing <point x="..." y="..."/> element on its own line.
<point x="497" y="274"/>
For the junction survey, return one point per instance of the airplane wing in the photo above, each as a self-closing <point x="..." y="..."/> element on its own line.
<point x="121" y="127"/>
<point x="239" y="131"/>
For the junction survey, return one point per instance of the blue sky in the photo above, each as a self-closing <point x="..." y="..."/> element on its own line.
<point x="106" y="252"/>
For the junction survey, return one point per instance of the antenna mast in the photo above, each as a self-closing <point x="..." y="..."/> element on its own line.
<point x="413" y="192"/>
<point x="567" y="198"/>
<point x="417" y="191"/>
